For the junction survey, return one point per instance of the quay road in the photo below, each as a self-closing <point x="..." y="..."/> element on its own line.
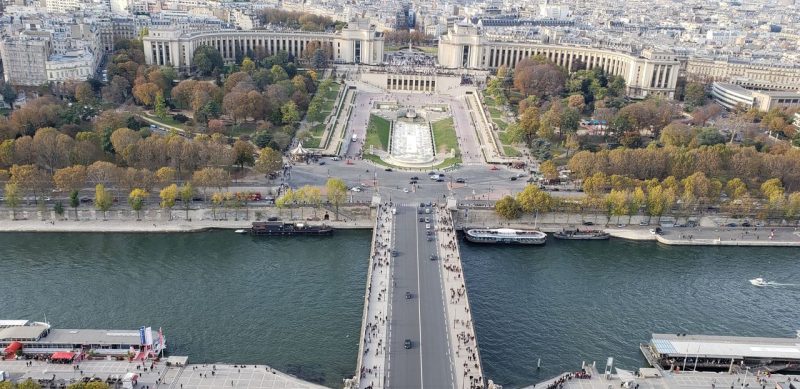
<point x="420" y="318"/>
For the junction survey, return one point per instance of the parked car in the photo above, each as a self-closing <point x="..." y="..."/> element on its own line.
<point x="461" y="180"/>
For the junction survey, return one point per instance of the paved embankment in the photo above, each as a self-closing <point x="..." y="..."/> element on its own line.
<point x="371" y="365"/>
<point x="463" y="343"/>
<point x="158" y="375"/>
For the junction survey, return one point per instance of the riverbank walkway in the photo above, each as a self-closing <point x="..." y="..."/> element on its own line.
<point x="371" y="369"/>
<point x="463" y="343"/>
<point x="667" y="380"/>
<point x="157" y="375"/>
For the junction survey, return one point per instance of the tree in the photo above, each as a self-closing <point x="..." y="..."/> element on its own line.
<point x="146" y="93"/>
<point x="29" y="384"/>
<point x="617" y="203"/>
<point x="103" y="200"/>
<point x="160" y="106"/>
<point x="84" y="94"/>
<point x="136" y="199"/>
<point x="278" y="74"/>
<point x="534" y="200"/>
<point x="207" y="59"/>
<point x="319" y="60"/>
<point x="70" y="178"/>
<point x="248" y="66"/>
<point x="337" y="193"/>
<point x="186" y="193"/>
<point x="243" y="153"/>
<point x="695" y="95"/>
<point x="74" y="202"/>
<point x="773" y="192"/>
<point x="13" y="198"/>
<point x="312" y="195"/>
<point x="549" y="170"/>
<point x="508" y="208"/>
<point x="735" y="188"/>
<point x="792" y="209"/>
<point x="537" y="76"/>
<point x="289" y="113"/>
<point x="168" y="196"/>
<point x="269" y="161"/>
<point x="165" y="175"/>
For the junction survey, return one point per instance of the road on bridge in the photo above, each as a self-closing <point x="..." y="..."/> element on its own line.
<point x="421" y="318"/>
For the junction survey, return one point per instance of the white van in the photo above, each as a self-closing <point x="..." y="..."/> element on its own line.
<point x="355" y="138"/>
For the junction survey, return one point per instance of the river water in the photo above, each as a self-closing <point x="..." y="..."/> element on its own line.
<point x="296" y="304"/>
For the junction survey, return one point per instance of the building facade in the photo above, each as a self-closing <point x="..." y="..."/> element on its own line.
<point x="733" y="96"/>
<point x="24" y="58"/>
<point x="646" y="74"/>
<point x="360" y="43"/>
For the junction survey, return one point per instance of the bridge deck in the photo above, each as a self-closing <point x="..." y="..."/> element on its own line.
<point x="417" y="330"/>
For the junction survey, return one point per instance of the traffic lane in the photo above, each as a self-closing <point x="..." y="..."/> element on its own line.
<point x="434" y="342"/>
<point x="404" y="364"/>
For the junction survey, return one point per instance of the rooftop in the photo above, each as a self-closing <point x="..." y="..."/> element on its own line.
<point x="726" y="346"/>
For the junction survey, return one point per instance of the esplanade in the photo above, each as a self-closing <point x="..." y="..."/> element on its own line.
<point x="649" y="73"/>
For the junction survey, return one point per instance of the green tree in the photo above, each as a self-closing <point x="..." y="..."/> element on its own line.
<point x="160" y="106"/>
<point x="695" y="95"/>
<point x="217" y="199"/>
<point x="136" y="199"/>
<point x="103" y="200"/>
<point x="337" y="193"/>
<point x="207" y="60"/>
<point x="186" y="194"/>
<point x="278" y="74"/>
<point x="508" y="208"/>
<point x="792" y="208"/>
<point x="636" y="201"/>
<point x="168" y="196"/>
<point x="248" y="66"/>
<point x="74" y="202"/>
<point x="58" y="208"/>
<point x="13" y="198"/>
<point x="289" y="113"/>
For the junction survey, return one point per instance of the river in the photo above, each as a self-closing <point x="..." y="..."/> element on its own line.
<point x="296" y="304"/>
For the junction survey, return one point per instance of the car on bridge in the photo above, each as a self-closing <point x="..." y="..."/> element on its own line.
<point x="407" y="344"/>
<point x="409" y="295"/>
<point x="434" y="257"/>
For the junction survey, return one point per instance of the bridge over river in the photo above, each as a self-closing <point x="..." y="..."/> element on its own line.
<point x="417" y="326"/>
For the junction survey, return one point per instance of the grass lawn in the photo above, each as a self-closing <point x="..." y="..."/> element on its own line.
<point x="317" y="129"/>
<point x="501" y="124"/>
<point x="505" y="137"/>
<point x="169" y="121"/>
<point x="495" y="112"/>
<point x="444" y="134"/>
<point x="312" y="142"/>
<point x="377" y="133"/>
<point x="326" y="106"/>
<point x="510" y="151"/>
<point x="489" y="101"/>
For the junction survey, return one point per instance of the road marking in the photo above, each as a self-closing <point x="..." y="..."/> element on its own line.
<point x="419" y="306"/>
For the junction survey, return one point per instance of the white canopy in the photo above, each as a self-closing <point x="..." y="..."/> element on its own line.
<point x="299" y="150"/>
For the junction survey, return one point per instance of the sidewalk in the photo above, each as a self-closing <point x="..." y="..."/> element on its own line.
<point x="371" y="368"/>
<point x="464" y="346"/>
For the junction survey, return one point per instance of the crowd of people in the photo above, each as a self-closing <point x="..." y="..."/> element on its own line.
<point x="467" y="348"/>
<point x="373" y="359"/>
<point x="560" y="381"/>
